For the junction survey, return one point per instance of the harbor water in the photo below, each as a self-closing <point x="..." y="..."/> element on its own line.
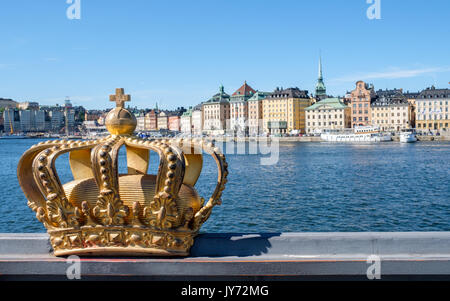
<point x="314" y="187"/>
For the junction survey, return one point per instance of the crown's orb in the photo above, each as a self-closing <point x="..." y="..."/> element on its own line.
<point x="120" y="121"/>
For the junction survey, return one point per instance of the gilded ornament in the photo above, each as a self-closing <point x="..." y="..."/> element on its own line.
<point x="102" y="212"/>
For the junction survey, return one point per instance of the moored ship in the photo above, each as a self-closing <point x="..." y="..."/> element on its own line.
<point x="14" y="136"/>
<point x="359" y="134"/>
<point x="408" y="136"/>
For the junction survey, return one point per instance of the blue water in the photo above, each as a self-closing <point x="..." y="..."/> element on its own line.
<point x="313" y="187"/>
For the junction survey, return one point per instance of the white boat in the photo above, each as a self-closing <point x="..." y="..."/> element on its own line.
<point x="408" y="136"/>
<point x="359" y="134"/>
<point x="14" y="136"/>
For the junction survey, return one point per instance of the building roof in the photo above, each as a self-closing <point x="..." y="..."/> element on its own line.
<point x="288" y="93"/>
<point x="411" y="95"/>
<point x="432" y="92"/>
<point x="244" y="90"/>
<point x="333" y="103"/>
<point x="188" y="113"/>
<point x="259" y="96"/>
<point x="198" y="107"/>
<point x="395" y="100"/>
<point x="220" y="97"/>
<point x="393" y="92"/>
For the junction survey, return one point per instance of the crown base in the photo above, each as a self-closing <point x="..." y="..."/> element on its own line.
<point x="120" y="251"/>
<point x="114" y="241"/>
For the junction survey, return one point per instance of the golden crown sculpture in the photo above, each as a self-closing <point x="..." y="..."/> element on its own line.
<point x="102" y="212"/>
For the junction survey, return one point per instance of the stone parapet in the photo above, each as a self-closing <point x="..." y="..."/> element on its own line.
<point x="293" y="256"/>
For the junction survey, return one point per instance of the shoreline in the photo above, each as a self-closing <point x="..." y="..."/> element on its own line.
<point x="441" y="138"/>
<point x="316" y="139"/>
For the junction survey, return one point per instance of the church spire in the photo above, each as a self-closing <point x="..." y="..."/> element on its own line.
<point x="321" y="90"/>
<point x="320" y="68"/>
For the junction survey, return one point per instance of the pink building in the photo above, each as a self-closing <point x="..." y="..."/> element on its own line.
<point x="174" y="123"/>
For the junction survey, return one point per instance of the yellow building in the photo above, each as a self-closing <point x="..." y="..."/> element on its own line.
<point x="432" y="110"/>
<point x="392" y="113"/>
<point x="284" y="111"/>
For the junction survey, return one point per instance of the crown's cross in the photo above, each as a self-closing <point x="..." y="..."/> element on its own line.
<point x="120" y="98"/>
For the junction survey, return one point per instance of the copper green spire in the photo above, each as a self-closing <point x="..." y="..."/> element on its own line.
<point x="321" y="90"/>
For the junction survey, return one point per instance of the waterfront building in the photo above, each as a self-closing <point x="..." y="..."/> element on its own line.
<point x="186" y="122"/>
<point x="284" y="111"/>
<point x="92" y="115"/>
<point x="321" y="90"/>
<point x="140" y="123"/>
<point x="28" y="106"/>
<point x="174" y="123"/>
<point x="56" y="119"/>
<point x="361" y="98"/>
<point x="391" y="112"/>
<point x="11" y="120"/>
<point x="69" y="118"/>
<point x="152" y="120"/>
<point x="329" y="113"/>
<point x="39" y="120"/>
<point x="239" y="109"/>
<point x="163" y="121"/>
<point x="197" y="120"/>
<point x="26" y="120"/>
<point x="32" y="120"/>
<point x="255" y="113"/>
<point x="432" y="107"/>
<point x="2" y="121"/>
<point x="216" y="113"/>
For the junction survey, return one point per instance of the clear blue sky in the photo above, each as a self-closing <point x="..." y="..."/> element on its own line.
<point x="177" y="53"/>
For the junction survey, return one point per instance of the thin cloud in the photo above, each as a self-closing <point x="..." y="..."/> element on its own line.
<point x="392" y="74"/>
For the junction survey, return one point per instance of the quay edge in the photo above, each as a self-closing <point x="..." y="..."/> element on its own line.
<point x="269" y="256"/>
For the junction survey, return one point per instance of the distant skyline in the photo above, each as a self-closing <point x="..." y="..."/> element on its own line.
<point x="178" y="53"/>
